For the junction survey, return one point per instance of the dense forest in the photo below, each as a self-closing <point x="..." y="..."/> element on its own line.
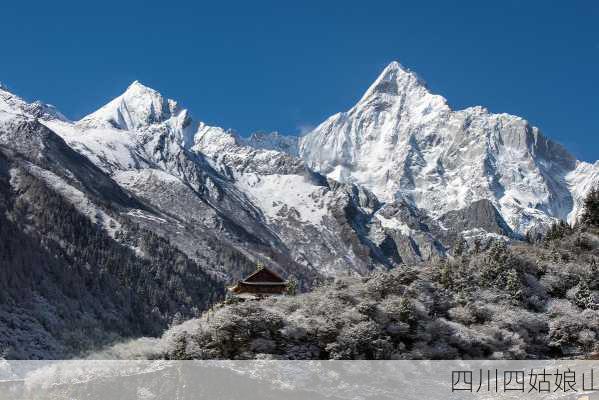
<point x="67" y="287"/>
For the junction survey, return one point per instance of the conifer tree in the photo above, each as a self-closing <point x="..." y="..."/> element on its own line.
<point x="591" y="208"/>
<point x="583" y="297"/>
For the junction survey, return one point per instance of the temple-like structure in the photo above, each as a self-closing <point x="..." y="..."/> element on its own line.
<point x="263" y="282"/>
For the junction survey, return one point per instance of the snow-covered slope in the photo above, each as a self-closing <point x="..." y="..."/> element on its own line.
<point x="274" y="141"/>
<point x="206" y="184"/>
<point x="324" y="224"/>
<point x="77" y="273"/>
<point x="258" y="183"/>
<point x="48" y="142"/>
<point x="398" y="178"/>
<point x="402" y="141"/>
<point x="581" y="180"/>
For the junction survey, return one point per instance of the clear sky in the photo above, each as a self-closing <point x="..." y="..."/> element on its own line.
<point x="286" y="66"/>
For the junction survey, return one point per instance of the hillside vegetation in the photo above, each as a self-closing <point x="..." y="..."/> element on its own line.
<point x="508" y="301"/>
<point x="67" y="287"/>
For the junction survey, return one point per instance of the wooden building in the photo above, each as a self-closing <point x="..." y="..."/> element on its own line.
<point x="263" y="282"/>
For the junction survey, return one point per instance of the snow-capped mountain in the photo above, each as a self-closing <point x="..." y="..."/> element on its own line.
<point x="402" y="141"/>
<point x="398" y="178"/>
<point x="77" y="271"/>
<point x="203" y="185"/>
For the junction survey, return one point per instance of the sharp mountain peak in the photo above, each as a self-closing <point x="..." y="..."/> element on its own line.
<point x="399" y="81"/>
<point x="137" y="87"/>
<point x="137" y="107"/>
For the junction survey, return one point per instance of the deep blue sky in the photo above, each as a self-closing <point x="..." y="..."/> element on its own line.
<point x="284" y="65"/>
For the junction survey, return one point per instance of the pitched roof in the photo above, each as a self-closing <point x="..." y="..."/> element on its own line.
<point x="264" y="276"/>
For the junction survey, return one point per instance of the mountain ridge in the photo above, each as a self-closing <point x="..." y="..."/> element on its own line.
<point x="400" y="179"/>
<point x="402" y="140"/>
<point x="226" y="199"/>
<point x="398" y="127"/>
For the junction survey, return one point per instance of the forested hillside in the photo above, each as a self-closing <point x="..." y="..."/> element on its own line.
<point x="67" y="287"/>
<point x="508" y="301"/>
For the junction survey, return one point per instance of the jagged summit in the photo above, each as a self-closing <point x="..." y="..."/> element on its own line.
<point x="138" y="89"/>
<point x="13" y="104"/>
<point x="394" y="72"/>
<point x="399" y="82"/>
<point x="402" y="141"/>
<point x="137" y="83"/>
<point x="138" y="107"/>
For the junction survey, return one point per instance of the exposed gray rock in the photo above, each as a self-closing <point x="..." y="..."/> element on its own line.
<point x="480" y="214"/>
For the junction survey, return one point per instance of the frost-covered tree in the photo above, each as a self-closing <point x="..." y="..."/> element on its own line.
<point x="527" y="308"/>
<point x="557" y="231"/>
<point x="100" y="289"/>
<point x="590" y="215"/>
<point x="583" y="297"/>
<point x="513" y="285"/>
<point x="292" y="286"/>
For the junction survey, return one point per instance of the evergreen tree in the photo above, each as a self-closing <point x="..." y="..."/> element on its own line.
<point x="458" y="248"/>
<point x="583" y="297"/>
<point x="292" y="286"/>
<point x="444" y="276"/>
<point x="557" y="231"/>
<point x="591" y="208"/>
<point x="406" y="311"/>
<point x="477" y="246"/>
<point x="513" y="285"/>
<point x="495" y="263"/>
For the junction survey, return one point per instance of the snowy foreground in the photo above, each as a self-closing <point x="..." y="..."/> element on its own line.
<point x="508" y="302"/>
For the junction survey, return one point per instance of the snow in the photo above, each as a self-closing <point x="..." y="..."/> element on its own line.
<point x="141" y="214"/>
<point x="473" y="234"/>
<point x="161" y="157"/>
<point x="73" y="195"/>
<point x="274" y="141"/>
<point x="581" y="181"/>
<point x="394" y="224"/>
<point x="108" y="148"/>
<point x="137" y="107"/>
<point x="14" y="104"/>
<point x="401" y="140"/>
<point x="134" y="177"/>
<point x="212" y="141"/>
<point x="272" y="193"/>
<point x="146" y="116"/>
<point x="5" y="115"/>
